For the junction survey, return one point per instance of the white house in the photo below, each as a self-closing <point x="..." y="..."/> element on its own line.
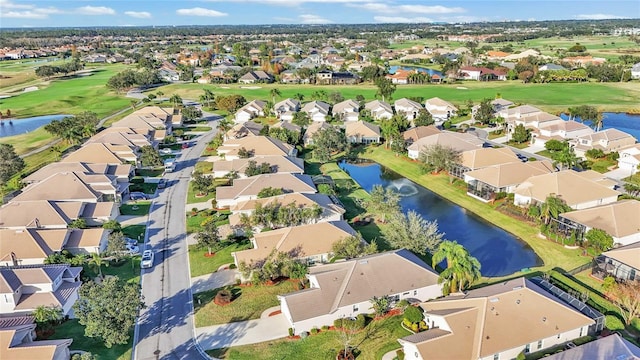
<point x="18" y="334"/>
<point x="440" y="110"/>
<point x="345" y="289"/>
<point x="317" y="110"/>
<point x="379" y="109"/>
<point x="250" y="111"/>
<point x="630" y="159"/>
<point x="408" y="108"/>
<point x="348" y="110"/>
<point x="497" y="322"/>
<point x="635" y="71"/>
<point x="608" y="140"/>
<point x="560" y="130"/>
<point x="362" y="132"/>
<point x="458" y="141"/>
<point x="249" y="188"/>
<point x="285" y="109"/>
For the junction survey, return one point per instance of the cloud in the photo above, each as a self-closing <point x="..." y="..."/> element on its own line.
<point x="401" y="19"/>
<point x="597" y="16"/>
<point x="284" y="19"/>
<point x="313" y="19"/>
<point x="95" y="10"/>
<point x="290" y="2"/>
<point x="25" y="11"/>
<point x="138" y="14"/>
<point x="408" y="9"/>
<point x="198" y="11"/>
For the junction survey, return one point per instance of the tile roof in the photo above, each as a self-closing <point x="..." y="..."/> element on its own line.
<point x="60" y="186"/>
<point x="483" y="157"/>
<point x="260" y="145"/>
<point x="251" y="186"/>
<point x="458" y="141"/>
<point x="248" y="128"/>
<point x="629" y="255"/>
<point x="419" y="132"/>
<point x="619" y="219"/>
<point x="362" y="129"/>
<point x="613" y="347"/>
<point x="94" y="153"/>
<point x="36" y="213"/>
<point x="279" y="164"/>
<point x="510" y="174"/>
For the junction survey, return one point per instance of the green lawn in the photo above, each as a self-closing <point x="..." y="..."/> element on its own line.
<point x="134" y="231"/>
<point x="552" y="254"/>
<point x="601" y="165"/>
<point x="128" y="270"/>
<point x="150" y="172"/>
<point x="249" y="303"/>
<point x="201" y="265"/>
<point x="137" y="208"/>
<point x="191" y="194"/>
<point x="378" y="338"/>
<point x="195" y="221"/>
<point x="205" y="167"/>
<point x="30" y="141"/>
<point x="518" y="145"/>
<point x="147" y="188"/>
<point x="73" y="330"/>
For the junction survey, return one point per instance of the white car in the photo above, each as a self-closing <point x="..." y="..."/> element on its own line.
<point x="147" y="259"/>
<point x="133" y="249"/>
<point x="166" y="151"/>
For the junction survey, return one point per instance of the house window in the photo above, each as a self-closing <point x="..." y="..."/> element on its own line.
<point x="558" y="336"/>
<point x="581" y="331"/>
<point x="527" y="348"/>
<point x="415" y="292"/>
<point x="539" y="344"/>
<point x="355" y="308"/>
<point x="496" y="356"/>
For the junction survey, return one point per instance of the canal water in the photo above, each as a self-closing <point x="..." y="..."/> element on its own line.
<point x="499" y="252"/>
<point x="394" y="68"/>
<point x="11" y="127"/>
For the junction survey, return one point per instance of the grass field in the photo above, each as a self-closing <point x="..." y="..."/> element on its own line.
<point x="378" y="338"/>
<point x="202" y="265"/>
<point x="552" y="254"/>
<point x="136" y="208"/>
<point x="550" y="97"/>
<point x="73" y="330"/>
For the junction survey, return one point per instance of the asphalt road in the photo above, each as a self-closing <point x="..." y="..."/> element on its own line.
<point x="165" y="327"/>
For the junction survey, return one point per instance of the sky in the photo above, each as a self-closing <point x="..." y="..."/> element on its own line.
<point x="72" y="13"/>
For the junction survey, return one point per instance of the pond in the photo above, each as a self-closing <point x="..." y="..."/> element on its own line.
<point x="499" y="252"/>
<point x="629" y="123"/>
<point x="394" y="68"/>
<point x="11" y="127"/>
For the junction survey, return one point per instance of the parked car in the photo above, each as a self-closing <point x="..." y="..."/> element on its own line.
<point x="136" y="195"/>
<point x="185" y="145"/>
<point x="147" y="259"/>
<point x="133" y="249"/>
<point x="132" y="242"/>
<point x="166" y="151"/>
<point x="162" y="183"/>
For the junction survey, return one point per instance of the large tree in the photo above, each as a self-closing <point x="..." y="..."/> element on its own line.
<point x="108" y="310"/>
<point x="485" y="112"/>
<point x="149" y="156"/>
<point x="209" y="237"/>
<point x="627" y="298"/>
<point x="588" y="113"/>
<point x="462" y="268"/>
<point x="520" y="134"/>
<point x="383" y="202"/>
<point x="552" y="207"/>
<point x="10" y="162"/>
<point x="439" y="157"/>
<point x="424" y="118"/>
<point x="74" y="128"/>
<point x="45" y="316"/>
<point x="353" y="247"/>
<point x="201" y="183"/>
<point x="411" y="231"/>
<point x="599" y="239"/>
<point x="328" y="142"/>
<point x="275" y="92"/>
<point x="385" y="88"/>
<point x="566" y="158"/>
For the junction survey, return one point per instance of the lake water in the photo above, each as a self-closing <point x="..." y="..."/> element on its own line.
<point x="622" y="121"/>
<point x="499" y="252"/>
<point x="394" y="68"/>
<point x="21" y="126"/>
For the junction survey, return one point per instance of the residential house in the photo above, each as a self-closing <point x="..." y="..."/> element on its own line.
<point x="400" y="77"/>
<point x="285" y="109"/>
<point x="620" y="219"/>
<point x="257" y="76"/>
<point x="608" y="347"/>
<point x="379" y="110"/>
<point x="292" y="77"/>
<point x="415" y="133"/>
<point x="287" y="126"/>
<point x="481" y="73"/>
<point x="560" y="130"/>
<point x="501" y="104"/>
<point x="106" y="185"/>
<point x="18" y="341"/>
<point x="278" y="164"/>
<point x="61" y="187"/>
<point x="312" y="129"/>
<point x="458" y="141"/>
<point x="481" y="158"/>
<point x="23" y="289"/>
<point x="253" y="109"/>
<point x="440" y="110"/>
<point x="345" y="289"/>
<point x="311" y="243"/>
<point x="154" y="121"/>
<point x="524" y="54"/>
<point x="487" y="323"/>
<point x="256" y="146"/>
<point x="551" y="67"/>
<point x="486" y="182"/>
<point x="130" y="139"/>
<point x="32" y="246"/>
<point x="249" y="188"/>
<point x="121" y="172"/>
<point x="348" y="110"/>
<point x="409" y="108"/>
<point x="317" y="110"/>
<point x="496" y="55"/>
<point x="331" y="211"/>
<point x="583" y="61"/>
<point x="609" y="140"/>
<point x="579" y="190"/>
<point x="629" y="159"/>
<point x="623" y="263"/>
<point x="96" y="154"/>
<point x="48" y="214"/>
<point x="362" y="132"/>
<point x="635" y="71"/>
<point x="326" y="77"/>
<point x="243" y="129"/>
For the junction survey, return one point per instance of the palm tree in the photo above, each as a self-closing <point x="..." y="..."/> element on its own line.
<point x="552" y="207"/>
<point x="175" y="99"/>
<point x="45" y="315"/>
<point x="97" y="261"/>
<point x="299" y="96"/>
<point x="462" y="268"/>
<point x="274" y="92"/>
<point x="207" y="97"/>
<point x="133" y="104"/>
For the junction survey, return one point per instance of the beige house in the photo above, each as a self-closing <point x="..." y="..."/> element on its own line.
<point x="409" y="108"/>
<point x="252" y="110"/>
<point x="49" y="214"/>
<point x="97" y="154"/>
<point x="317" y="110"/>
<point x="484" y="157"/>
<point x="379" y="110"/>
<point x="416" y="133"/>
<point x="312" y="129"/>
<point x="560" y="130"/>
<point x="362" y="132"/>
<point x="130" y="139"/>
<point x="244" y="129"/>
<point x="155" y="121"/>
<point x="458" y="141"/>
<point x="620" y="219"/>
<point x="248" y="188"/>
<point x="440" y="110"/>
<point x="287" y="126"/>
<point x="312" y="243"/>
<point x="256" y="146"/>
<point x="122" y="172"/>
<point x="23" y="289"/>
<point x="61" y="187"/>
<point x="609" y="140"/>
<point x="579" y="190"/>
<point x="279" y="164"/>
<point x="484" y="183"/>
<point x="623" y="263"/>
<point x="348" y="110"/>
<point x="495" y="322"/>
<point x="18" y="341"/>
<point x="629" y="159"/>
<point x="285" y="109"/>
<point x="345" y="289"/>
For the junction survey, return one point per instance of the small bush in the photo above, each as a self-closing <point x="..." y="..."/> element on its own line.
<point x="406" y="323"/>
<point x="501" y="195"/>
<point x="290" y="331"/>
<point x="232" y="266"/>
<point x="413" y="314"/>
<point x="400" y="354"/>
<point x="325" y="328"/>
<point x="423" y="326"/>
<point x="314" y="330"/>
<point x="402" y="304"/>
<point x="337" y="323"/>
<point x="360" y="322"/>
<point x="137" y="180"/>
<point x="415" y="327"/>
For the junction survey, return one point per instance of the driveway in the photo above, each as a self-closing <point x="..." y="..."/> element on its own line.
<point x="214" y="280"/>
<point x="242" y="332"/>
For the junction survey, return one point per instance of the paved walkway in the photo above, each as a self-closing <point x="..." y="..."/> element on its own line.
<point x="243" y="332"/>
<point x="214" y="280"/>
<point x="265" y="314"/>
<point x="390" y="355"/>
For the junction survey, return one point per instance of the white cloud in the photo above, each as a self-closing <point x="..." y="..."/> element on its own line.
<point x="408" y="9"/>
<point x="597" y="16"/>
<point x="138" y="14"/>
<point x="95" y="10"/>
<point x="198" y="11"/>
<point x="401" y="19"/>
<point x="313" y="19"/>
<point x="25" y="11"/>
<point x="291" y="2"/>
<point x="283" y="19"/>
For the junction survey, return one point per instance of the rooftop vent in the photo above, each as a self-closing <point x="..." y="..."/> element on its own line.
<point x="544" y="319"/>
<point x="363" y="262"/>
<point x="493" y="300"/>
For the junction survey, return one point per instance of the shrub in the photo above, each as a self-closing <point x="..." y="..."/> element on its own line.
<point x="223" y="297"/>
<point x="501" y="195"/>
<point x="360" y="322"/>
<point x="414" y="327"/>
<point x="402" y="304"/>
<point x="337" y="323"/>
<point x="232" y="266"/>
<point x="423" y="326"/>
<point x="137" y="180"/>
<point x="521" y="356"/>
<point x="400" y="354"/>
<point x="290" y="331"/>
<point x="406" y="323"/>
<point x="413" y="314"/>
<point x="325" y="328"/>
<point x="314" y="330"/>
